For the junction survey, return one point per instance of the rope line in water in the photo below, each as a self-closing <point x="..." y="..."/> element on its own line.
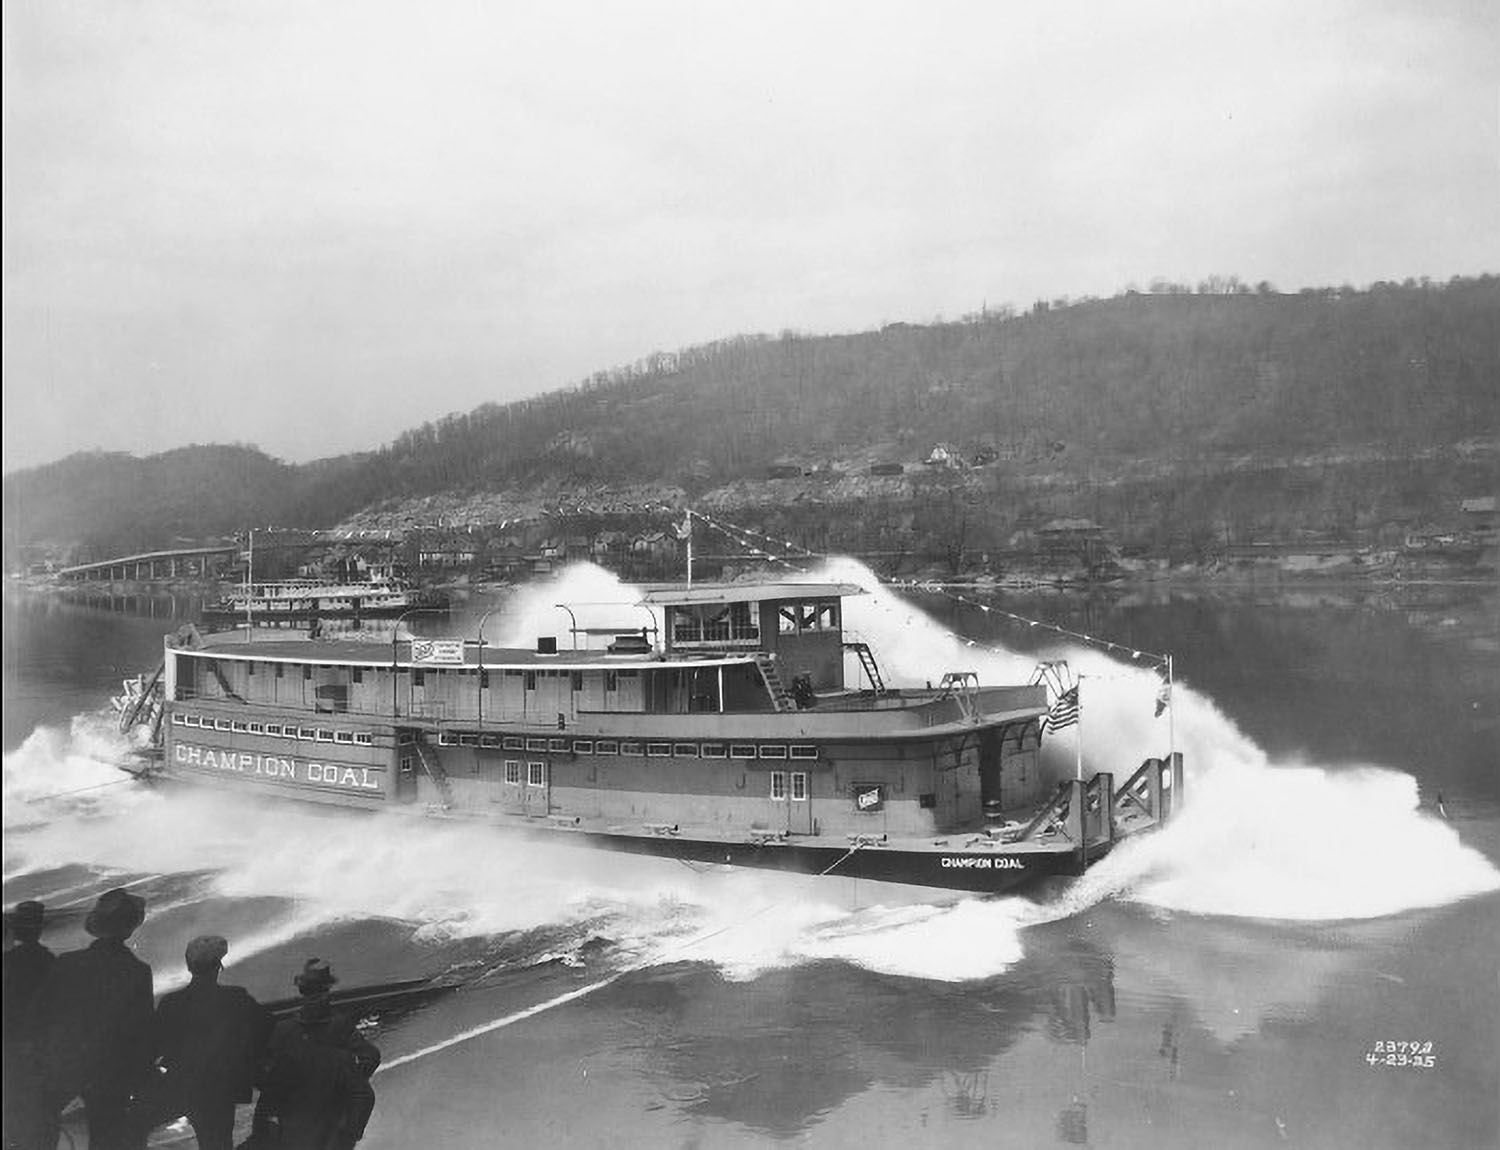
<point x="580" y="992"/>
<point x="79" y="790"/>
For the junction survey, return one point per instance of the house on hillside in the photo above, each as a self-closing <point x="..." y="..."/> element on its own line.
<point x="1478" y="514"/>
<point x="445" y="550"/>
<point x="1077" y="546"/>
<point x="944" y="455"/>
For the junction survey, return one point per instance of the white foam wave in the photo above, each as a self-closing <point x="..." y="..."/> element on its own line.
<point x="1257" y="838"/>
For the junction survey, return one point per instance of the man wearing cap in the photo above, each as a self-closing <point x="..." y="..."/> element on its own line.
<point x="96" y="1011"/>
<point x="209" y="1039"/>
<point x="27" y="1119"/>
<point x="317" y="1091"/>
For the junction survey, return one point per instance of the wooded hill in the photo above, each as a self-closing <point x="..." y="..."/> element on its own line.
<point x="1166" y="415"/>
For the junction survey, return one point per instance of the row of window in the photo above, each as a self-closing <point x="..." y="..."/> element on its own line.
<point x="654" y="750"/>
<point x="536" y="776"/>
<point x="274" y="730"/>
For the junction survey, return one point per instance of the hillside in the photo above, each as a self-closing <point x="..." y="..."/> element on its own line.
<point x="1172" y="417"/>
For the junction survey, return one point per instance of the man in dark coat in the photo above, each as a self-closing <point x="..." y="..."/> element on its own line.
<point x="209" y="1040"/>
<point x="96" y="1011"/>
<point x="316" y="1093"/>
<point x="28" y="1120"/>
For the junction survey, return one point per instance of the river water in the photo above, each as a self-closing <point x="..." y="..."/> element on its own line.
<point x="1333" y="886"/>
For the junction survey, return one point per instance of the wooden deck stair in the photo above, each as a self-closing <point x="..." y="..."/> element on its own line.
<point x="781" y="698"/>
<point x="436" y="773"/>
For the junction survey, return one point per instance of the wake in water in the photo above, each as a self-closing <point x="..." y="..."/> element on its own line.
<point x="1257" y="839"/>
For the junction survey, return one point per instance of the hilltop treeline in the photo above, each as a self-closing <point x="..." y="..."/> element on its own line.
<point x="1167" y="375"/>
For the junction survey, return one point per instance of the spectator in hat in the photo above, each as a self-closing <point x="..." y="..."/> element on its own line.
<point x="208" y="1039"/>
<point x="316" y="1093"/>
<point x="27" y="1119"/>
<point x="332" y="1027"/>
<point x="96" y="1014"/>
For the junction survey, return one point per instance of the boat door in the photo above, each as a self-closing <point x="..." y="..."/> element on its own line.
<point x="536" y="798"/>
<point x="799" y="804"/>
<point x="510" y="789"/>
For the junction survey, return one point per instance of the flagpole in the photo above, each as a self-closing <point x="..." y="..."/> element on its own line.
<point x="249" y="586"/>
<point x="1078" y="731"/>
<point x="689" y="522"/>
<point x="1171" y="715"/>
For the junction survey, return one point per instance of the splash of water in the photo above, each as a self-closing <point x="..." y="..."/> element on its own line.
<point x="1257" y="838"/>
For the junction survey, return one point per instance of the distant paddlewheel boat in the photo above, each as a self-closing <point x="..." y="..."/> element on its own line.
<point x="749" y="730"/>
<point x="301" y="600"/>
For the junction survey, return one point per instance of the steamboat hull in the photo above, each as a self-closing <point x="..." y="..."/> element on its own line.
<point x="744" y="741"/>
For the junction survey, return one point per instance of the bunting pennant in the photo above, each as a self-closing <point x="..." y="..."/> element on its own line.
<point x="755" y="543"/>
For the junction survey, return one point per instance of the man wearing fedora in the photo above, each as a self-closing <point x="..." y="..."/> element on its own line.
<point x="96" y="1011"/>
<point x="27" y="1118"/>
<point x="317" y="1091"/>
<point x="209" y="1040"/>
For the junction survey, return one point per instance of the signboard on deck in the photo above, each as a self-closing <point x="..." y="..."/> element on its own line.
<point x="437" y="651"/>
<point x="869" y="797"/>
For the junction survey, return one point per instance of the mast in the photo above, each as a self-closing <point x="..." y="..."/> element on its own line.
<point x="249" y="584"/>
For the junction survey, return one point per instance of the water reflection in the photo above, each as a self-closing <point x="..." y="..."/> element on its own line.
<point x="776" y="1053"/>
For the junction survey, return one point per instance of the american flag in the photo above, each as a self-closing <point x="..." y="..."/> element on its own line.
<point x="1064" y="712"/>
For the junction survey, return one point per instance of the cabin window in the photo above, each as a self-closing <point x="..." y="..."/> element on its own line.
<point x="577" y="678"/>
<point x="489" y="742"/>
<point x="281" y="670"/>
<point x="536" y="774"/>
<point x="419" y="678"/>
<point x="325" y="736"/>
<point x="364" y="738"/>
<point x="606" y="747"/>
<point x="468" y="740"/>
<point x="531" y="680"/>
<point x="773" y="751"/>
<point x="406" y="764"/>
<point x="513" y="743"/>
<point x="343" y="737"/>
<point x="513" y="772"/>
<point x="778" y="786"/>
<point x="250" y="669"/>
<point x="802" y="751"/>
<point x="658" y="750"/>
<point x="306" y="672"/>
<point x="255" y="728"/>
<point x="447" y="739"/>
<point x="484" y="680"/>
<point x="307" y="733"/>
<point x="742" y="750"/>
<point x="611" y="680"/>
<point x="237" y="726"/>
<point x="179" y="720"/>
<point x="222" y="725"/>
<point x="583" y="746"/>
<point x="630" y="747"/>
<point x="685" y="750"/>
<point x="357" y="675"/>
<point x="799" y="786"/>
<point x="273" y="729"/>
<point x="712" y="750"/>
<point x="536" y="744"/>
<point x="786" y="620"/>
<point x="558" y="746"/>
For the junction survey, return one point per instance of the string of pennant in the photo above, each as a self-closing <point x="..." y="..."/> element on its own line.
<point x="744" y="536"/>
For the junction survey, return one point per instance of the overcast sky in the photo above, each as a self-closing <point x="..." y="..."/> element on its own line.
<point x="312" y="224"/>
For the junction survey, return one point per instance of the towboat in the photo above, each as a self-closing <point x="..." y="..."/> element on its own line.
<point x="749" y="729"/>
